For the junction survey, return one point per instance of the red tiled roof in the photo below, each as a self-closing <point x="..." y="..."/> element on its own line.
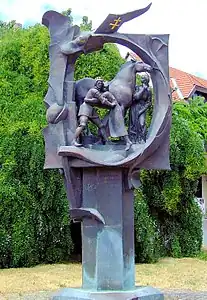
<point x="185" y="82"/>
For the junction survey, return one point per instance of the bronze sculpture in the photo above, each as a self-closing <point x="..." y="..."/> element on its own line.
<point x="121" y="88"/>
<point x="99" y="178"/>
<point x="142" y="100"/>
<point x="96" y="96"/>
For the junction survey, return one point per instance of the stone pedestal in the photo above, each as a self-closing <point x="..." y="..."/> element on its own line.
<point x="108" y="249"/>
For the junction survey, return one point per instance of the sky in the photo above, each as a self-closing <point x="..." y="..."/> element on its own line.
<point x="184" y="20"/>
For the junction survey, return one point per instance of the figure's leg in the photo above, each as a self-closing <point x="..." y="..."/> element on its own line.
<point x="97" y="121"/>
<point x="143" y="128"/>
<point x="82" y="125"/>
<point x="126" y="137"/>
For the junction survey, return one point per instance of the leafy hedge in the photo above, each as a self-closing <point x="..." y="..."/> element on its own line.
<point x="34" y="224"/>
<point x="171" y="221"/>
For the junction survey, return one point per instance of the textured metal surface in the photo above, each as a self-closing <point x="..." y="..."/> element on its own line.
<point x="153" y="49"/>
<point x="108" y="250"/>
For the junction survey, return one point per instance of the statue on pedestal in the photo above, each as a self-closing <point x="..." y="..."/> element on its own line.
<point x="100" y="176"/>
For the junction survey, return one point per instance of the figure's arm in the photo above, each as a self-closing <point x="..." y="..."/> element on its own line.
<point x="139" y="93"/>
<point x="91" y="97"/>
<point x="91" y="101"/>
<point x="106" y="102"/>
<point x="147" y="104"/>
<point x="97" y="98"/>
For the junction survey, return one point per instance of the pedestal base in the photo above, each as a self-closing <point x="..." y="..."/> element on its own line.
<point x="145" y="293"/>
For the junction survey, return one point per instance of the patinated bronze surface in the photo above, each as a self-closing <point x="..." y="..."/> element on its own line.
<point x="141" y="101"/>
<point x="95" y="97"/>
<point x="99" y="174"/>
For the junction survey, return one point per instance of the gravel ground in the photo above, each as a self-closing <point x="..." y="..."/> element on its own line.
<point x="169" y="295"/>
<point x="187" y="295"/>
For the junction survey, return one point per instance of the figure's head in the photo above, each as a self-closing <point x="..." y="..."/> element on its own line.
<point x="99" y="84"/>
<point x="145" y="79"/>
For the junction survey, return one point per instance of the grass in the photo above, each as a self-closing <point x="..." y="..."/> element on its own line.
<point x="168" y="273"/>
<point x="203" y="255"/>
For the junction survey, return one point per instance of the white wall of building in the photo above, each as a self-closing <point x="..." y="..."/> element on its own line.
<point x="204" y="190"/>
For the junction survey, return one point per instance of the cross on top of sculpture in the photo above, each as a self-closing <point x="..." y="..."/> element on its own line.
<point x="100" y="171"/>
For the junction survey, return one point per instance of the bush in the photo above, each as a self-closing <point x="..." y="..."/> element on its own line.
<point x="147" y="242"/>
<point x="34" y="224"/>
<point x="169" y="195"/>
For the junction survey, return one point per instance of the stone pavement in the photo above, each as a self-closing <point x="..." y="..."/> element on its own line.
<point x="169" y="295"/>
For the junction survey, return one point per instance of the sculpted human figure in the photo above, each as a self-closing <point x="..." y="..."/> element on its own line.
<point x="96" y="97"/>
<point x="142" y="100"/>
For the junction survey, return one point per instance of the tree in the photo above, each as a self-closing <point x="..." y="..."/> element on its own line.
<point x="195" y="112"/>
<point x="104" y="63"/>
<point x="34" y="226"/>
<point x="86" y="25"/>
<point x="7" y="25"/>
<point x="68" y="13"/>
<point x="175" y="222"/>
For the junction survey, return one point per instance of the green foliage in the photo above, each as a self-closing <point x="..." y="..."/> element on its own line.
<point x="104" y="63"/>
<point x="68" y="13"/>
<point x="195" y="112"/>
<point x="170" y="194"/>
<point x="187" y="143"/>
<point x="202" y="255"/>
<point x="86" y="25"/>
<point x="34" y="224"/>
<point x="176" y="248"/>
<point x="7" y="25"/>
<point x="190" y="234"/>
<point x="147" y="243"/>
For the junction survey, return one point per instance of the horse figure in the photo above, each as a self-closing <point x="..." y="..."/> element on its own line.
<point x="122" y="86"/>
